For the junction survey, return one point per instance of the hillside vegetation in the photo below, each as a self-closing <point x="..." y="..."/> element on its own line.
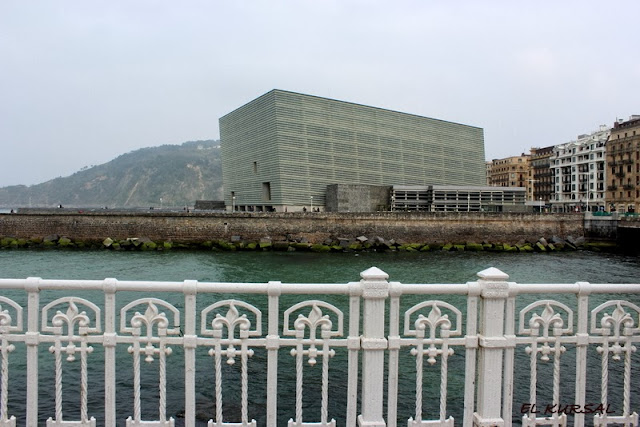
<point x="179" y="174"/>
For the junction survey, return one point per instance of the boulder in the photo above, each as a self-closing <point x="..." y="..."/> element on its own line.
<point x="344" y="243"/>
<point x="280" y="246"/>
<point x="64" y="242"/>
<point x="6" y="241"/>
<point x="148" y="246"/>
<point x="225" y="245"/>
<point x="51" y="238"/>
<point x="474" y="247"/>
<point x="361" y="239"/>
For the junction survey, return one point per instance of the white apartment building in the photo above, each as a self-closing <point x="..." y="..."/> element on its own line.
<point x="579" y="173"/>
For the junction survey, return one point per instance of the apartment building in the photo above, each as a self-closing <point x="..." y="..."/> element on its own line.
<point x="579" y="173"/>
<point x="623" y="166"/>
<point x="541" y="182"/>
<point x="509" y="172"/>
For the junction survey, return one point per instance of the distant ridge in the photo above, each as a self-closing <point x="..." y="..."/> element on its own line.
<point x="179" y="174"/>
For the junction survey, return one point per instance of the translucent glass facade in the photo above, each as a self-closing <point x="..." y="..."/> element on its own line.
<point x="283" y="149"/>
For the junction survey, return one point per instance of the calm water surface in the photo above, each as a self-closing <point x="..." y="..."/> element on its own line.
<point x="430" y="267"/>
<point x="436" y="267"/>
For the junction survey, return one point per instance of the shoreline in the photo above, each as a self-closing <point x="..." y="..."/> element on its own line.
<point x="360" y="244"/>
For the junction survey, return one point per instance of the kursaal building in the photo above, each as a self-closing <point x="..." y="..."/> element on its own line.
<point x="282" y="150"/>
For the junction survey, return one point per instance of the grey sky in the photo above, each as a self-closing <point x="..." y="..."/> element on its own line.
<point x="82" y="82"/>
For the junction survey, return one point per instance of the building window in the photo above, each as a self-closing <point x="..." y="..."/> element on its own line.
<point x="255" y="167"/>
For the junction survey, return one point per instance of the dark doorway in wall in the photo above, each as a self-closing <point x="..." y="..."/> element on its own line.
<point x="266" y="191"/>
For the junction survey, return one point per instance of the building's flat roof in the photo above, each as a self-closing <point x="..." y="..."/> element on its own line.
<point x="351" y="103"/>
<point x="456" y="188"/>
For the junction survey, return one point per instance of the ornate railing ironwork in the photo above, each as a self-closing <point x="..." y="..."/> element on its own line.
<point x="490" y="323"/>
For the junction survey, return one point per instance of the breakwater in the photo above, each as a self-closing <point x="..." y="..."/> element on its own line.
<point x="386" y="230"/>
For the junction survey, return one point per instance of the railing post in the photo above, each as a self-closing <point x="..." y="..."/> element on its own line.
<point x="494" y="291"/>
<point x="32" y="340"/>
<point x="190" y="344"/>
<point x="375" y="291"/>
<point x="109" y="343"/>
<point x="273" y="345"/>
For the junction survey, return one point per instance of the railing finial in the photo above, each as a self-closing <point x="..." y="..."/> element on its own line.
<point x="493" y="274"/>
<point x="374" y="273"/>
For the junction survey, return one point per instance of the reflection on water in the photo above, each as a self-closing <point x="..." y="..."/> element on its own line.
<point x="436" y="267"/>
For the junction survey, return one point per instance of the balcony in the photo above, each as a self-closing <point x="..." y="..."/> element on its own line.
<point x="628" y="187"/>
<point x="612" y="187"/>
<point x="382" y="333"/>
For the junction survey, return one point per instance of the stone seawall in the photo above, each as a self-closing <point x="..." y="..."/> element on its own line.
<point x="316" y="227"/>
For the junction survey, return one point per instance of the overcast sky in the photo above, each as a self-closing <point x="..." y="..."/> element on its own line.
<point x="82" y="82"/>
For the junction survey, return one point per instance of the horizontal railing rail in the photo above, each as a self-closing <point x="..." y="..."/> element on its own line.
<point x="489" y="353"/>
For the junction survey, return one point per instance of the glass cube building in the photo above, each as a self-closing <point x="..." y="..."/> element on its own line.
<point x="281" y="151"/>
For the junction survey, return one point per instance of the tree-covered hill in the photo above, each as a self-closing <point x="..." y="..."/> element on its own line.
<point x="179" y="174"/>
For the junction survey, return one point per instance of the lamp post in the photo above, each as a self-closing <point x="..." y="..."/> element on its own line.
<point x="233" y="203"/>
<point x="540" y="205"/>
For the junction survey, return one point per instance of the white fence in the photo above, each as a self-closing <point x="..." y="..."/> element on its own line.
<point x="380" y="321"/>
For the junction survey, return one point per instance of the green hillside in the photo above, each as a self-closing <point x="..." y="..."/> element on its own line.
<point x="179" y="174"/>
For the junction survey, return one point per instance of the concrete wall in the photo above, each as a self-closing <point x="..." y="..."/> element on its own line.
<point x="357" y="198"/>
<point x="601" y="227"/>
<point x="198" y="227"/>
<point x="209" y="205"/>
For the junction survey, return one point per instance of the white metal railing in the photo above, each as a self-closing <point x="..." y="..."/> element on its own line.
<point x="492" y="323"/>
